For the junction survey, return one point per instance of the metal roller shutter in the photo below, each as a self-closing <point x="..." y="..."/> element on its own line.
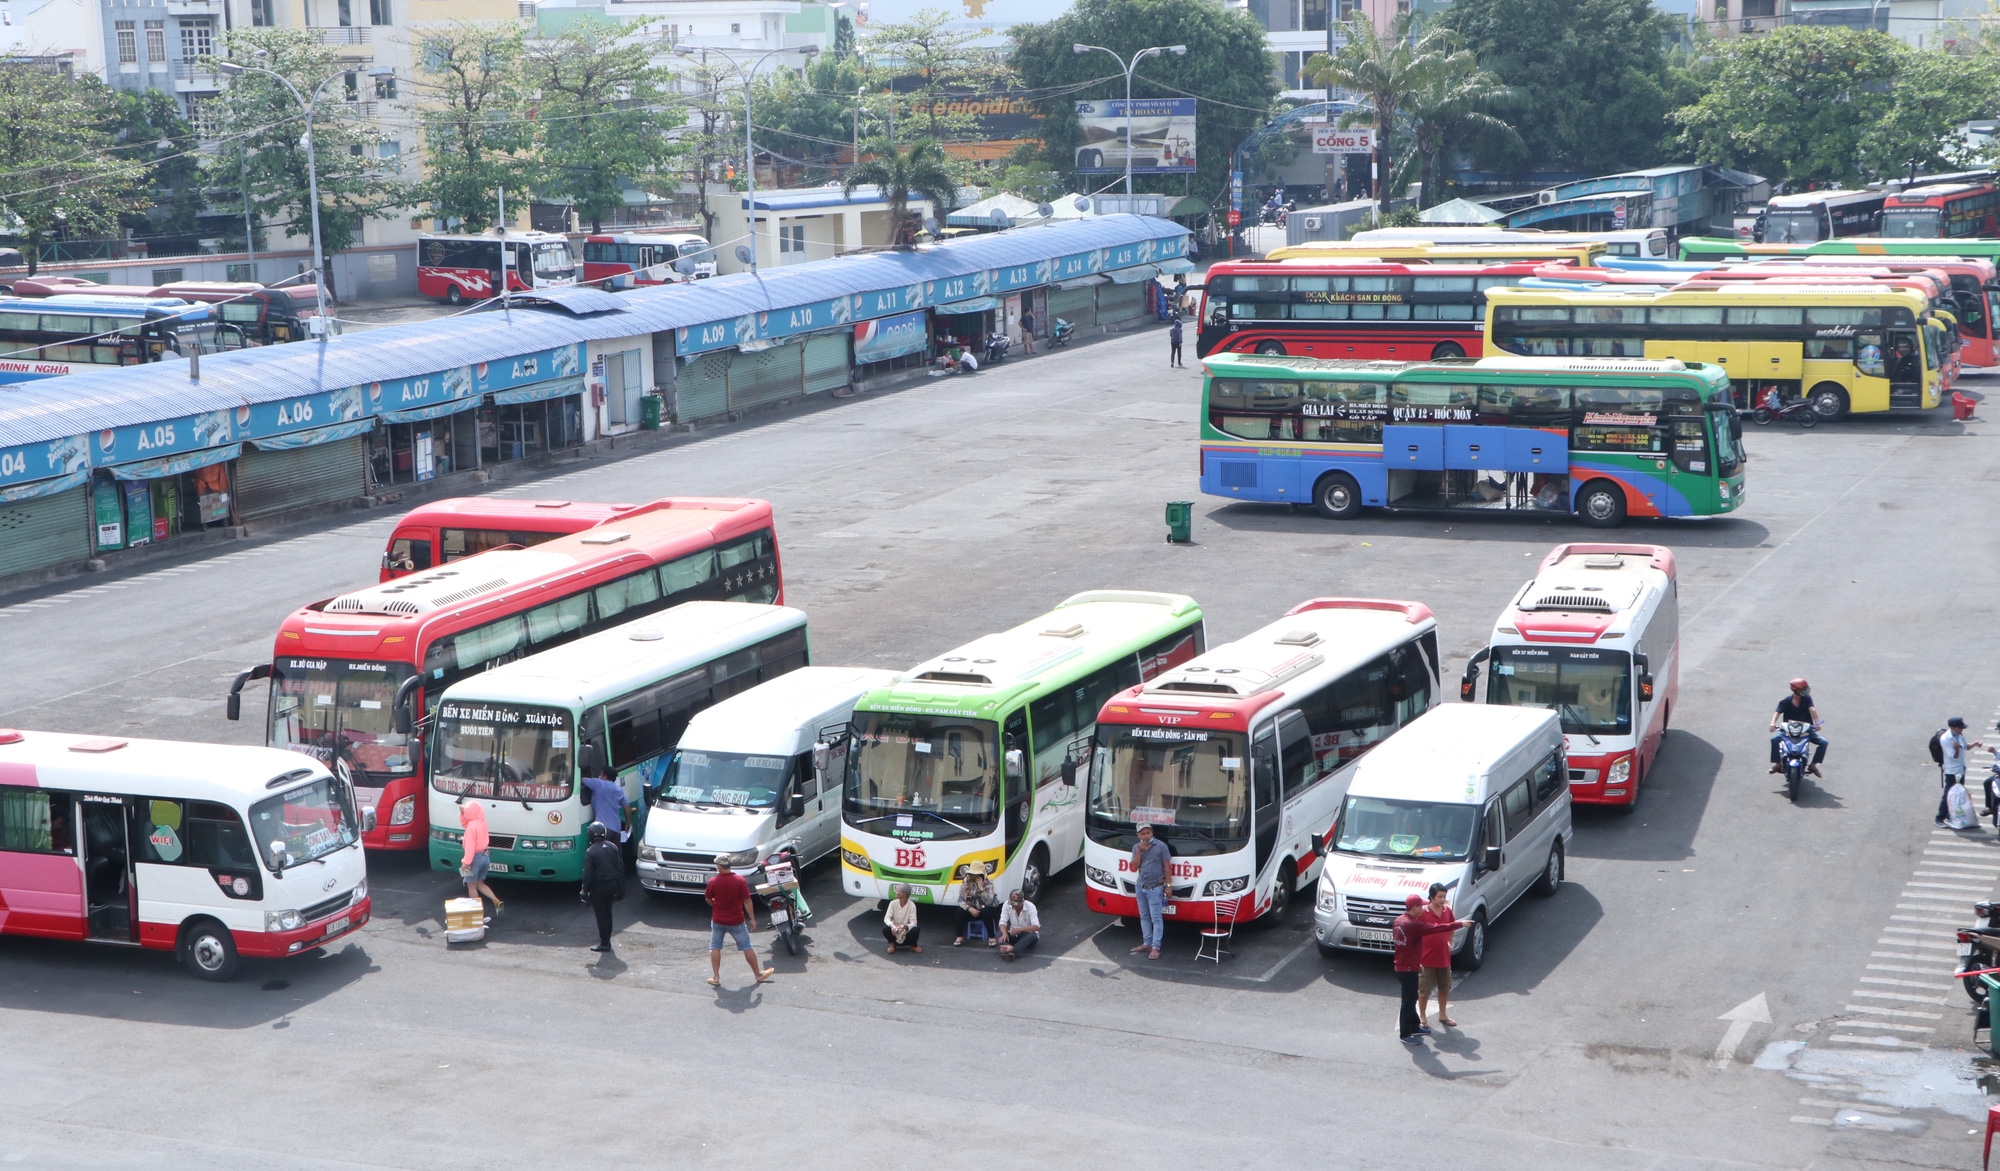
<point x="52" y="530"/>
<point x="766" y="376"/>
<point x="827" y="364"/>
<point x="1118" y="304"/>
<point x="1076" y="306"/>
<point x="701" y="389"/>
<point x="274" y="481"/>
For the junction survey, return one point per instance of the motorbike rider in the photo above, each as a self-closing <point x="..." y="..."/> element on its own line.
<point x="1798" y="706"/>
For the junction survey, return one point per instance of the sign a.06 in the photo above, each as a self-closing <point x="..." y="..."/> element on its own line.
<point x="1356" y="140"/>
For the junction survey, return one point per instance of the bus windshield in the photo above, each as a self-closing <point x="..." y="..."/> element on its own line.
<point x="305" y="823"/>
<point x="1728" y="447"/>
<point x="1427" y="830"/>
<point x="724" y="778"/>
<point x="924" y="777"/>
<point x="1189" y="785"/>
<point x="553" y="260"/>
<point x="341" y="713"/>
<point x="1792" y="227"/>
<point x="503" y="751"/>
<point x="1590" y="689"/>
<point x="1919" y="223"/>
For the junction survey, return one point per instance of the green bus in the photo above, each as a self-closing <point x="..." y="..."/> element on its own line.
<point x="1603" y="439"/>
<point x="974" y="756"/>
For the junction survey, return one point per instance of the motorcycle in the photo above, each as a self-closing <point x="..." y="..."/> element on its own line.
<point x="996" y="347"/>
<point x="1794" y="752"/>
<point x="1061" y="335"/>
<point x="783" y="900"/>
<point x="1773" y="408"/>
<point x="1979" y="949"/>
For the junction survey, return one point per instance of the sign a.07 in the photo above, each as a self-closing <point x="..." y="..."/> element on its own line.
<point x="1356" y="140"/>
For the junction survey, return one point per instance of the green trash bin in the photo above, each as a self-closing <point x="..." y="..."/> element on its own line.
<point x="1992" y="998"/>
<point x="649" y="413"/>
<point x="1180" y="521"/>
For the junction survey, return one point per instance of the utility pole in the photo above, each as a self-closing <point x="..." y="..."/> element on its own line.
<point x="1141" y="55"/>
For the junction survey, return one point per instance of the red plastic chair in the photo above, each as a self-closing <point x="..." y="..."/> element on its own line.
<point x="1992" y="1124"/>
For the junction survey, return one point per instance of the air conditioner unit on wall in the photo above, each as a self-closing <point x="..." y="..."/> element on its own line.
<point x="1545" y="197"/>
<point x="1312" y="223"/>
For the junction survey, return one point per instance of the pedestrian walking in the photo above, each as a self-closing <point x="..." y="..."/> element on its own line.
<point x="603" y="879"/>
<point x="1408" y="934"/>
<point x="899" y="922"/>
<point x="731" y="912"/>
<point x="1434" y="975"/>
<point x="1020" y="926"/>
<point x="1152" y="862"/>
<point x="473" y="869"/>
<point x="1954" y="753"/>
<point x="1174" y="338"/>
<point x="1028" y="332"/>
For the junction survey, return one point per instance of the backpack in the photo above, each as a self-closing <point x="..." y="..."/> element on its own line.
<point x="1937" y="747"/>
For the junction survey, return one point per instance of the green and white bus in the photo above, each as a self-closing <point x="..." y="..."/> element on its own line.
<point x="975" y="756"/>
<point x="516" y="738"/>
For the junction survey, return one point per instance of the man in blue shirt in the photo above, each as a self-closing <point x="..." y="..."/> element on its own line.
<point x="607" y="804"/>
<point x="1151" y="865"/>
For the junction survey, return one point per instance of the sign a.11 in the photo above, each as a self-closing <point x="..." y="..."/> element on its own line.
<point x="1357" y="140"/>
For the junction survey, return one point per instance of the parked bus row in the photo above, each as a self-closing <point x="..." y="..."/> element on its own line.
<point x="254" y="314"/>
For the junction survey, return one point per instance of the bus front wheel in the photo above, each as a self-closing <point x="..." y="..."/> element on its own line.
<point x="1035" y="875"/>
<point x="1601" y="505"/>
<point x="1337" y="496"/>
<point x="1448" y="350"/>
<point x="1281" y="895"/>
<point x="1270" y="348"/>
<point x="209" y="951"/>
<point x="1829" y="402"/>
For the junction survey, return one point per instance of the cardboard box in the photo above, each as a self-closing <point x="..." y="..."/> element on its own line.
<point x="464" y="914"/>
<point x="468" y="935"/>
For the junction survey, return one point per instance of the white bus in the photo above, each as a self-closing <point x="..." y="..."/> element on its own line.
<point x="1595" y="637"/>
<point x="210" y="851"/>
<point x="518" y="738"/>
<point x="1239" y="759"/>
<point x="975" y="756"/>
<point x="1821" y="215"/>
<point x="1641" y="243"/>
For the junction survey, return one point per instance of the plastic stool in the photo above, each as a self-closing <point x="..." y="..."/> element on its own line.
<point x="977" y="930"/>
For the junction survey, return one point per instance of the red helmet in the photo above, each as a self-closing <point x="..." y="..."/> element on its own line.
<point x="1800" y="685"/>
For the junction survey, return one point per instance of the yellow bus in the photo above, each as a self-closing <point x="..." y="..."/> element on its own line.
<point x="1851" y="347"/>
<point x="1583" y="252"/>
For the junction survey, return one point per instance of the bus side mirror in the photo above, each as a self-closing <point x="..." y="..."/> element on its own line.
<point x="798" y="804"/>
<point x="1069" y="772"/>
<point x="591" y="759"/>
<point x="401" y="705"/>
<point x="1645" y="689"/>
<point x="235" y="703"/>
<point x="368" y="820"/>
<point x="1014" y="764"/>
<point x="822" y="757"/>
<point x="1468" y="684"/>
<point x="1318" y="844"/>
<point x="1489" y="858"/>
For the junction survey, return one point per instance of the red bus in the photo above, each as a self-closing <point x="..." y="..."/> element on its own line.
<point x="348" y="672"/>
<point x="455" y="269"/>
<point x="626" y="259"/>
<point x="264" y="315"/>
<point x="1360" y="309"/>
<point x="1942" y="211"/>
<point x="444" y="531"/>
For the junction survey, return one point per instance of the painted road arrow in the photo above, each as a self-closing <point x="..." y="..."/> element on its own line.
<point x="1753" y="1011"/>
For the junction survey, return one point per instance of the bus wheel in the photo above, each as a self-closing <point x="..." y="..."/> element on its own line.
<point x="1448" y="350"/>
<point x="1281" y="895"/>
<point x="1601" y="505"/>
<point x="1035" y="875"/>
<point x="1829" y="402"/>
<point x="1337" y="496"/>
<point x="453" y="296"/>
<point x="1270" y="348"/>
<point x="1552" y="874"/>
<point x="208" y="950"/>
<point x="1473" y="953"/>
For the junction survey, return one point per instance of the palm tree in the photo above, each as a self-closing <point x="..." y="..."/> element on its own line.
<point x="919" y="171"/>
<point x="1384" y="67"/>
<point x="1446" y="107"/>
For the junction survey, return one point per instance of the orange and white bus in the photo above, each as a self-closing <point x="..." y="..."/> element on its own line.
<point x="445" y="531"/>
<point x="348" y="674"/>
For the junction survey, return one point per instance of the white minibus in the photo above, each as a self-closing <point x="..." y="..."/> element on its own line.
<point x="210" y="851"/>
<point x="1469" y="796"/>
<point x="743" y="780"/>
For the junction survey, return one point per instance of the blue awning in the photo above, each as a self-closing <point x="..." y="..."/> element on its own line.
<point x="315" y="436"/>
<point x="436" y="411"/>
<point x="1177" y="264"/>
<point x="556" y="388"/>
<point x="975" y="305"/>
<point x="41" y="488"/>
<point x="174" y="465"/>
<point x="1083" y="282"/>
<point x="1133" y="275"/>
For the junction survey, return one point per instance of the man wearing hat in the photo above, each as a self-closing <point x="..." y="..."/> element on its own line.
<point x="1955" y="751"/>
<point x="1408" y="932"/>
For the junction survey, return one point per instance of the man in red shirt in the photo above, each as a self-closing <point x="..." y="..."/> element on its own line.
<point x="732" y="912"/>
<point x="1408" y="933"/>
<point x="1435" y="956"/>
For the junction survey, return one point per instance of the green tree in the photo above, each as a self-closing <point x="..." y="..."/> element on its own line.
<point x="1226" y="64"/>
<point x="710" y="143"/>
<point x="1592" y="75"/>
<point x="65" y="174"/>
<point x="920" y="169"/>
<point x="1449" y="108"/>
<point x="473" y="96"/>
<point x="932" y="61"/>
<point x="1933" y="94"/>
<point x="1796" y="104"/>
<point x="1383" y="69"/>
<point x="264" y="130"/>
<point x="603" y="114"/>
<point x="149" y="129"/>
<point x="810" y="114"/>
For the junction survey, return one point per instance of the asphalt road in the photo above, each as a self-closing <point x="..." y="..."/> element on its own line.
<point x="914" y="520"/>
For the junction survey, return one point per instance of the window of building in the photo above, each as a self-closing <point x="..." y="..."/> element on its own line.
<point x="245" y="273"/>
<point x="197" y="39"/>
<point x="169" y="276"/>
<point x="1760" y="7"/>
<point x="128" y="43"/>
<point x="792" y="238"/>
<point x="735" y="28"/>
<point x="346" y="8"/>
<point x="389" y="150"/>
<point x="385" y="87"/>
<point x="156" y="41"/>
<point x="378" y="12"/>
<point x="260" y="13"/>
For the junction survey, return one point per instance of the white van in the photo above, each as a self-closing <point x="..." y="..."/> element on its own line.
<point x="1474" y="796"/>
<point x="742" y="780"/>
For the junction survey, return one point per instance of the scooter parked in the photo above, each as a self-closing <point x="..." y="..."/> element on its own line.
<point x="1061" y="335"/>
<point x="1773" y="407"/>
<point x="996" y="347"/>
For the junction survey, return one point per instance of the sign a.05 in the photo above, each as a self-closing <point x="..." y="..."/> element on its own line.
<point x="1357" y="140"/>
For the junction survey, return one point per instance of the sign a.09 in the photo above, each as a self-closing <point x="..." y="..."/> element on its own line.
<point x="1357" y="140"/>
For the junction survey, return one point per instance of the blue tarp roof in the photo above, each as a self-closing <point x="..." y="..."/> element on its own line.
<point x="82" y="404"/>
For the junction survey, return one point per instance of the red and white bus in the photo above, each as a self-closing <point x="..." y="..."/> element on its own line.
<point x="349" y="673"/>
<point x="210" y="851"/>
<point x="623" y="260"/>
<point x="445" y="531"/>
<point x="1413" y="312"/>
<point x="1596" y="638"/>
<point x="455" y="269"/>
<point x="1942" y="211"/>
<point x="1239" y="758"/>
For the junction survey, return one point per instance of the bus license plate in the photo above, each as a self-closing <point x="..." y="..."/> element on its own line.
<point x="497" y="867"/>
<point x="339" y="925"/>
<point x="687" y="877"/>
<point x="778" y="916"/>
<point x="1367" y="935"/>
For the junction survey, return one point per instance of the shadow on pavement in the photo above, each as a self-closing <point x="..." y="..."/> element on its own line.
<point x="130" y="984"/>
<point x="1536" y="530"/>
<point x="1673" y="799"/>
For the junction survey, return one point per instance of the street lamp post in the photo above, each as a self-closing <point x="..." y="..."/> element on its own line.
<point x="750" y="147"/>
<point x="1141" y="55"/>
<point x="309" y="106"/>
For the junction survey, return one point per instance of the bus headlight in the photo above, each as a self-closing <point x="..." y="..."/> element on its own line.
<point x="360" y="892"/>
<point x="856" y="859"/>
<point x="1224" y="886"/>
<point x="742" y="857"/>
<point x="1620" y="772"/>
<point x="282" y="921"/>
<point x="1100" y="877"/>
<point x="648" y="854"/>
<point x="1329" y="901"/>
<point x="404" y="811"/>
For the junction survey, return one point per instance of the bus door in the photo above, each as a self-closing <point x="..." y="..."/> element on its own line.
<point x="110" y="896"/>
<point x="1692" y="471"/>
<point x="41" y="882"/>
<point x="1904" y="360"/>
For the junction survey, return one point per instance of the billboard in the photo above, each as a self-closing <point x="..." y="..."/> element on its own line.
<point x="1355" y="140"/>
<point x="1162" y="137"/>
